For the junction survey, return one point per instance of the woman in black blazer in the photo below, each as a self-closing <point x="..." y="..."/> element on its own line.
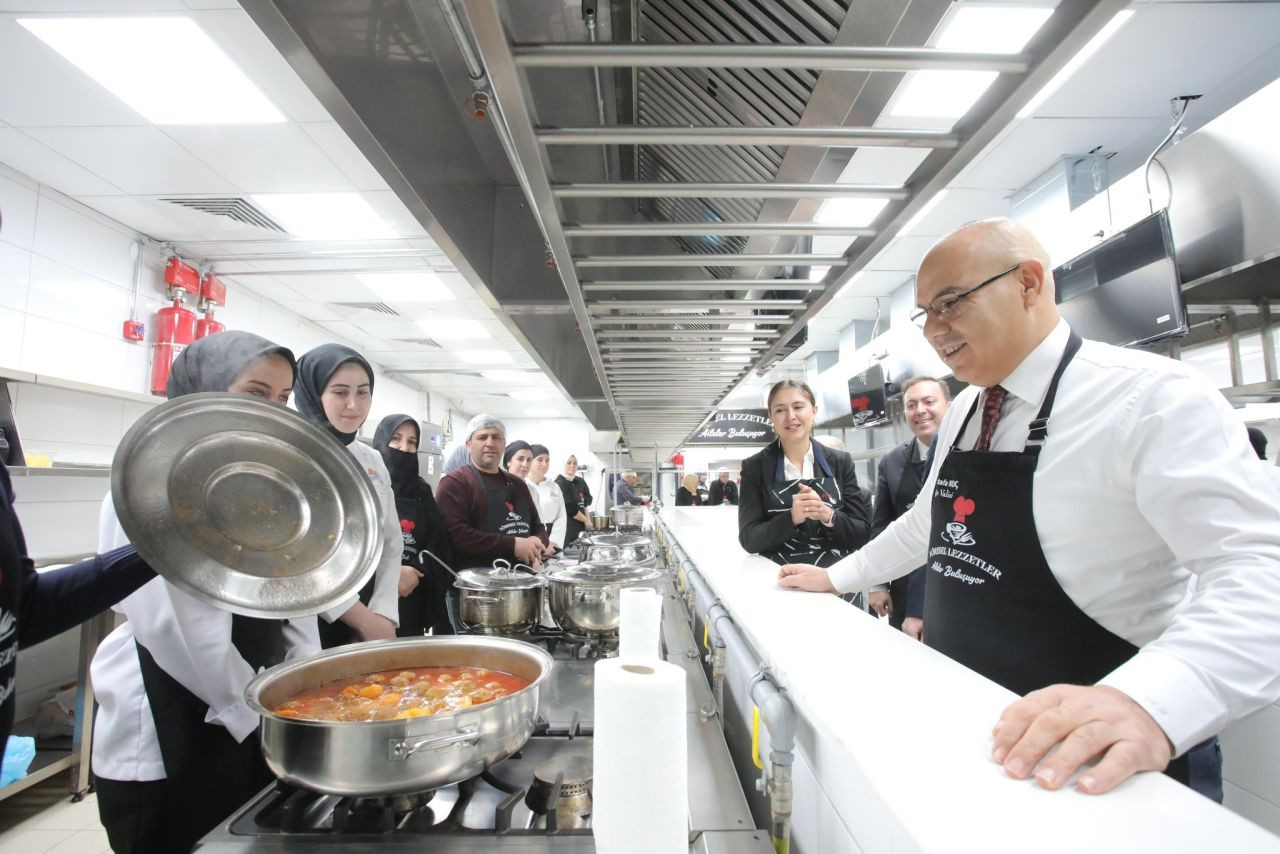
<point x="800" y="501"/>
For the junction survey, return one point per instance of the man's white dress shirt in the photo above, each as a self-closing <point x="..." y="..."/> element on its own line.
<point x="1154" y="517"/>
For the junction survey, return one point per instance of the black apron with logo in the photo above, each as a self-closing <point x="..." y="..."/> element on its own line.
<point x="992" y="602"/>
<point x="209" y="774"/>
<point x="811" y="543"/>
<point x="575" y="502"/>
<point x="507" y="510"/>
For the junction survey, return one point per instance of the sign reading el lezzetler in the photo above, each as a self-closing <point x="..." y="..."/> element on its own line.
<point x="735" y="427"/>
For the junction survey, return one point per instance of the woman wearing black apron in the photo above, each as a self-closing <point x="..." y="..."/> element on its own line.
<point x="423" y="582"/>
<point x="175" y="749"/>
<point x="335" y="390"/>
<point x="800" y="501"/>
<point x="577" y="501"/>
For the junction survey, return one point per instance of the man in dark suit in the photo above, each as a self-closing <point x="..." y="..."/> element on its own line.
<point x="723" y="490"/>
<point x="901" y="473"/>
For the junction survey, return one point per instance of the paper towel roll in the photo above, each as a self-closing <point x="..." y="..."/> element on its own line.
<point x="640" y="800"/>
<point x="640" y="622"/>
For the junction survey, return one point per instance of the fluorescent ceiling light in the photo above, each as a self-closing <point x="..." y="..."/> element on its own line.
<point x="522" y="378"/>
<point x="484" y="357"/>
<point x="325" y="216"/>
<point x="1073" y="65"/>
<point x="735" y="358"/>
<point x="528" y="394"/>
<point x="407" y="286"/>
<point x="453" y="328"/>
<point x="986" y="29"/>
<point x="817" y="274"/>
<point x="851" y="212"/>
<point x="167" y="69"/>
<point x="542" y="412"/>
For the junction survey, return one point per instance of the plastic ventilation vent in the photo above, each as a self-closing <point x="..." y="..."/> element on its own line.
<point x="231" y="207"/>
<point x="421" y="342"/>
<point x="376" y="307"/>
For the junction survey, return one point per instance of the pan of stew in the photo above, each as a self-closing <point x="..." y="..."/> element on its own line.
<point x="393" y="717"/>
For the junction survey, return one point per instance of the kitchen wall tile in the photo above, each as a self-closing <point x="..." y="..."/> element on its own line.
<point x="39" y="489"/>
<point x="70" y="352"/>
<point x="12" y="325"/>
<point x="77" y="240"/>
<point x="76" y="298"/>
<point x="19" y="203"/>
<point x="15" y="269"/>
<point x="64" y="415"/>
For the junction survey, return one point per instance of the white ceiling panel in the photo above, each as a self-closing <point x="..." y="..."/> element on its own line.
<point x="199" y="225"/>
<point x="385" y="328"/>
<point x="1033" y="145"/>
<point x="1166" y="50"/>
<point x="263" y="158"/>
<point x="42" y="88"/>
<point x="237" y="34"/>
<point x="393" y="212"/>
<point x="882" y="165"/>
<point x="87" y="6"/>
<point x="139" y="160"/>
<point x="329" y="288"/>
<point x="213" y="4"/>
<point x="903" y="254"/>
<point x="50" y="168"/>
<point x="959" y="206"/>
<point x="333" y="141"/>
<point x="140" y="216"/>
<point x="874" y="283"/>
<point x="310" y="309"/>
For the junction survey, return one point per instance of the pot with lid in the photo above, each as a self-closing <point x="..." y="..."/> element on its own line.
<point x="627" y="517"/>
<point x="586" y="598"/>
<point x="628" y="549"/>
<point x="502" y="600"/>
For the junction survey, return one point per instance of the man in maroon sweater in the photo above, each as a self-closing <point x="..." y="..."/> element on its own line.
<point x="490" y="513"/>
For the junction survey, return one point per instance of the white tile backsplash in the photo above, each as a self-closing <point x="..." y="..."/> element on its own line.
<point x="15" y="269"/>
<point x="63" y="415"/>
<point x="79" y="241"/>
<point x="11" y="328"/>
<point x="75" y="298"/>
<point x="18" y="203"/>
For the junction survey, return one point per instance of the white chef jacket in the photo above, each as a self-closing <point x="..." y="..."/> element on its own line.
<point x="386" y="586"/>
<point x="550" y="508"/>
<point x="1146" y="482"/>
<point x="189" y="640"/>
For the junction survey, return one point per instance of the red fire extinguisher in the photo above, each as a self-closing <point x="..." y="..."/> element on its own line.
<point x="175" y="326"/>
<point x="213" y="293"/>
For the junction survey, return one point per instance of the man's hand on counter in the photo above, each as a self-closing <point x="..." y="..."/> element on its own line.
<point x="803" y="576"/>
<point x="1084" y="722"/>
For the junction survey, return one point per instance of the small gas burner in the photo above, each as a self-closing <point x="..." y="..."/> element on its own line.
<point x="560" y="796"/>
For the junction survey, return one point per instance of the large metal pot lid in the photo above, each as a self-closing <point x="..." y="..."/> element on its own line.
<point x="246" y="506"/>
<point x="502" y="576"/>
<point x="604" y="572"/>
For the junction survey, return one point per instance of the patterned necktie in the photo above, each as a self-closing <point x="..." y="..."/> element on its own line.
<point x="992" y="400"/>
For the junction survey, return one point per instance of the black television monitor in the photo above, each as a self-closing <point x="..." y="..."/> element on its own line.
<point x="1125" y="290"/>
<point x="867" y="398"/>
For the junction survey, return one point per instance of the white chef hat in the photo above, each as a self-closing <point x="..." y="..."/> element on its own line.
<point x="482" y="421"/>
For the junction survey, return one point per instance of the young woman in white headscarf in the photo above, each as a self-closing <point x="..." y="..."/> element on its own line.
<point x="175" y="747"/>
<point x="335" y="390"/>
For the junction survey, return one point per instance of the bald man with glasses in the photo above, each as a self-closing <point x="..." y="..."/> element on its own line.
<point x="1098" y="535"/>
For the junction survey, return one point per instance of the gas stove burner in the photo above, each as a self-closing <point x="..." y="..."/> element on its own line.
<point x="561" y="788"/>
<point x="399" y="804"/>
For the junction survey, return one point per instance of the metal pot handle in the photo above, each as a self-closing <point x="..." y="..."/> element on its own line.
<point x="404" y="748"/>
<point x="593" y="596"/>
<point x="480" y="597"/>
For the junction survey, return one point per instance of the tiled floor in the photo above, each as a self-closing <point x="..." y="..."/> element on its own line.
<point x="43" y="819"/>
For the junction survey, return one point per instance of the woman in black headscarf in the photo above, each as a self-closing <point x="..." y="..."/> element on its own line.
<point x="335" y="390"/>
<point x="175" y="748"/>
<point x="423" y="582"/>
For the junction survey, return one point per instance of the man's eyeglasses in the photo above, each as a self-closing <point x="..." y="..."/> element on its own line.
<point x="950" y="301"/>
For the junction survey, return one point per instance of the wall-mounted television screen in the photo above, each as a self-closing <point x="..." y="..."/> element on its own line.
<point x="867" y="399"/>
<point x="1125" y="290"/>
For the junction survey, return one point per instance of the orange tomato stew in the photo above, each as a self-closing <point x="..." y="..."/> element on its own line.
<point x="393" y="694"/>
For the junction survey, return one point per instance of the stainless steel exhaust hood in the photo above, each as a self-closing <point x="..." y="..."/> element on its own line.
<point x="643" y="184"/>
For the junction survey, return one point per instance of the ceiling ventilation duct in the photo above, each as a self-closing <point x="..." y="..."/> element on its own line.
<point x="232" y="207"/>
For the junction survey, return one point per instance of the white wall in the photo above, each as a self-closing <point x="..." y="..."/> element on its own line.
<point x="66" y="287"/>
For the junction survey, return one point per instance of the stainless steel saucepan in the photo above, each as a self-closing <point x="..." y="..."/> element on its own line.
<point x="372" y="758"/>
